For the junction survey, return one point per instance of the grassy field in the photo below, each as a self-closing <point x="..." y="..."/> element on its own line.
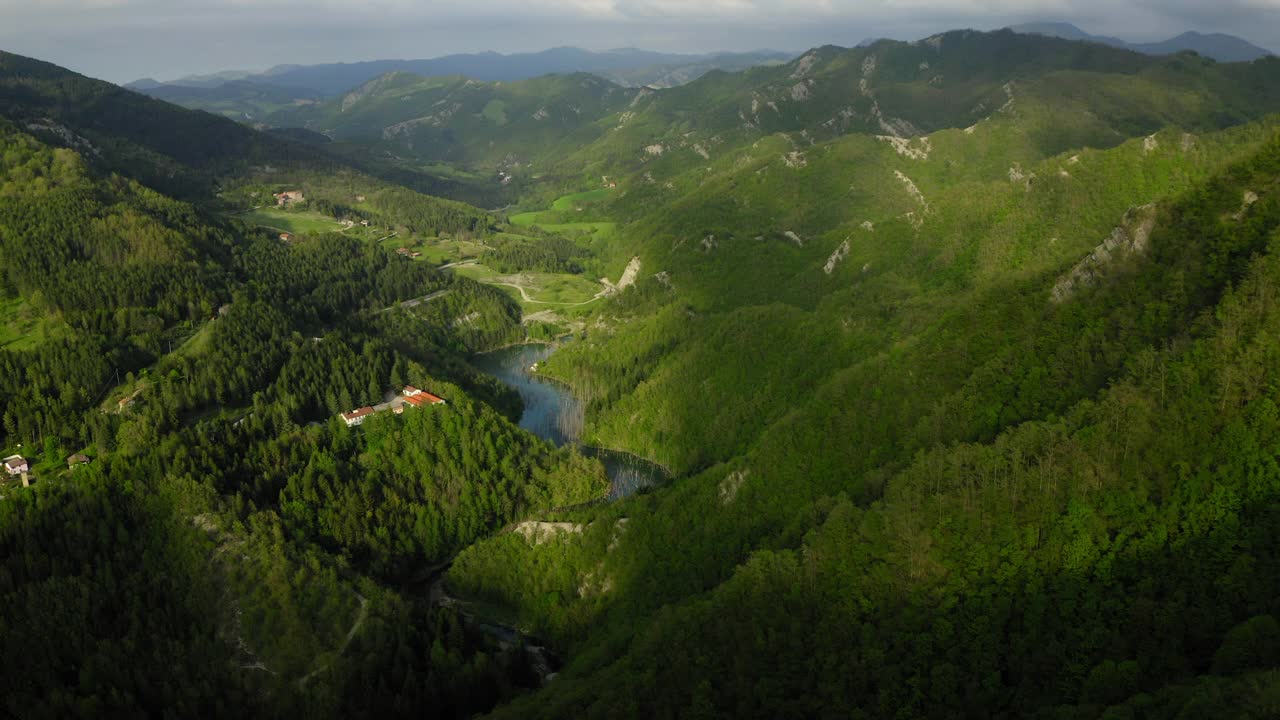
<point x="541" y="291"/>
<point x="437" y="251"/>
<point x="291" y="221"/>
<point x="22" y="328"/>
<point x="198" y="343"/>
<point x="558" y="217"/>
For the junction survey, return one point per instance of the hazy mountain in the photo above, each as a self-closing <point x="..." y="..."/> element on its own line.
<point x="1224" y="48"/>
<point x="627" y="66"/>
<point x="891" y="88"/>
<point x="236" y="99"/>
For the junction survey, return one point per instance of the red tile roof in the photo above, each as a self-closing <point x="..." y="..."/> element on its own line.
<point x="366" y="410"/>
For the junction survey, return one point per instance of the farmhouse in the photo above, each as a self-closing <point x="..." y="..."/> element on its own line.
<point x="15" y="465"/>
<point x="356" y="417"/>
<point x="288" y="197"/>
<point x="418" y="398"/>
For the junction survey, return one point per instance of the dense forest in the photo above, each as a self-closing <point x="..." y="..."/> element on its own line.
<point x="961" y="354"/>
<point x="221" y="538"/>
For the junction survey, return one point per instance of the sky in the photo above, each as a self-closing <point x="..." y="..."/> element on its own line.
<point x="123" y="40"/>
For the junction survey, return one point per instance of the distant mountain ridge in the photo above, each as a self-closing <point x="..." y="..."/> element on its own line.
<point x="1220" y="47"/>
<point x="628" y="66"/>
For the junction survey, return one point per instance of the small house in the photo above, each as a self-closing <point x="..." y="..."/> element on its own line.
<point x="356" y="417"/>
<point x="77" y="459"/>
<point x="286" y="237"/>
<point x="16" y="465"/>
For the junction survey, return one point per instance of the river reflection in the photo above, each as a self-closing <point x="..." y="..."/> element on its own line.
<point x="553" y="413"/>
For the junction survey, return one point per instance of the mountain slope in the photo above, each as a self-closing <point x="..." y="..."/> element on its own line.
<point x="954" y="80"/>
<point x="968" y="484"/>
<point x="493" y="125"/>
<point x="638" y="67"/>
<point x="220" y="552"/>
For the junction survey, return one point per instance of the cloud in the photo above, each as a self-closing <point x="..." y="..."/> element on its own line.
<point x="123" y="39"/>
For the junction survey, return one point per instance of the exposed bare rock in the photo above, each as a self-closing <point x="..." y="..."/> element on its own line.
<point x="709" y="243"/>
<point x="868" y="225"/>
<point x="912" y="190"/>
<point x="790" y="235"/>
<point x="701" y="151"/>
<point x="800" y="91"/>
<point x="538" y="532"/>
<point x="795" y="159"/>
<point x="804" y="65"/>
<point x="837" y="257"/>
<point x="629" y="274"/>
<point x="1149" y="144"/>
<point x="72" y="140"/>
<point x="731" y="484"/>
<point x="1128" y="238"/>
<point x="1250" y="197"/>
<point x="655" y="150"/>
<point x="1016" y="175"/>
<point x="917" y="149"/>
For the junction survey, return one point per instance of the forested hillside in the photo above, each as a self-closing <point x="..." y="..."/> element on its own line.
<point x="1100" y="96"/>
<point x="959" y="353"/>
<point x="204" y="536"/>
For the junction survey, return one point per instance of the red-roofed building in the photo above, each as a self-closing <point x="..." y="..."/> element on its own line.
<point x="418" y="398"/>
<point x="355" y="417"/>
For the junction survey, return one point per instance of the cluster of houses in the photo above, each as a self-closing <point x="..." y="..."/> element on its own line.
<point x="406" y="252"/>
<point x="288" y="197"/>
<point x="410" y="396"/>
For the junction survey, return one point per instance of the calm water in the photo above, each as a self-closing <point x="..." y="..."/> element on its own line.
<point x="552" y="413"/>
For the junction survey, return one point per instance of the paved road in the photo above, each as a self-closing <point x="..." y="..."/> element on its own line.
<point x="418" y="301"/>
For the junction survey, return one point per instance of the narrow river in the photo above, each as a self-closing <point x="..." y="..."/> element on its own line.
<point x="553" y="413"/>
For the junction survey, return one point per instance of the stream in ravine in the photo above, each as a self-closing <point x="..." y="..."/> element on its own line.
<point x="551" y="412"/>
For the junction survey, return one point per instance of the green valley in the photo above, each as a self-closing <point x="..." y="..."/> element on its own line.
<point x="918" y="380"/>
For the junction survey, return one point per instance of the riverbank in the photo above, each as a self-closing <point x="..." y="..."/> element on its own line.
<point x="554" y="413"/>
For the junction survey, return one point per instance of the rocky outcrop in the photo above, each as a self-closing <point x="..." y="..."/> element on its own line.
<point x="1128" y="238"/>
<point x="538" y="532"/>
<point x="836" y="258"/>
<point x="731" y="484"/>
